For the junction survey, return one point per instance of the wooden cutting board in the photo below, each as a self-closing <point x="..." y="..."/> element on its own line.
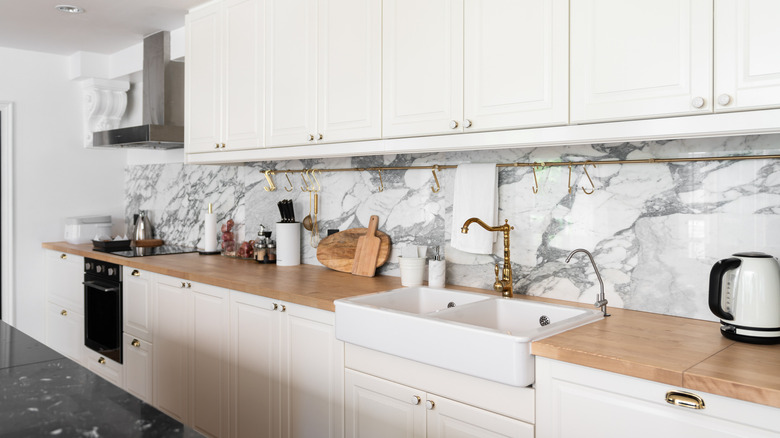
<point x="367" y="250"/>
<point x="337" y="251"/>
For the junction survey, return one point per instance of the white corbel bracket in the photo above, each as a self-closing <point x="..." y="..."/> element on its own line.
<point x="105" y="102"/>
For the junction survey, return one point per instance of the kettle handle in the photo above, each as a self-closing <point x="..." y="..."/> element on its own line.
<point x="716" y="286"/>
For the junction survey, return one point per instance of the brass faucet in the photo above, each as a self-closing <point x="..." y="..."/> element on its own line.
<point x="504" y="285"/>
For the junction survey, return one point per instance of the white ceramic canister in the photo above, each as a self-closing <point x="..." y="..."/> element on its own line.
<point x="288" y="243"/>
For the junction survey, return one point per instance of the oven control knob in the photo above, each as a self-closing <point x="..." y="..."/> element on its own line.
<point x="99" y="269"/>
<point x="111" y="272"/>
<point x="87" y="266"/>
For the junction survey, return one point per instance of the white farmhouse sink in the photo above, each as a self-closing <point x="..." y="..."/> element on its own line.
<point x="476" y="334"/>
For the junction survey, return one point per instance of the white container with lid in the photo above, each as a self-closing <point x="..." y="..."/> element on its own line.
<point x="81" y="229"/>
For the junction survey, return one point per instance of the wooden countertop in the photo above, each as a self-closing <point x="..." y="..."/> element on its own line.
<point x="676" y="351"/>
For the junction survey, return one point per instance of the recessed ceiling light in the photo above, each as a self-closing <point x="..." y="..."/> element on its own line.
<point x="70" y="9"/>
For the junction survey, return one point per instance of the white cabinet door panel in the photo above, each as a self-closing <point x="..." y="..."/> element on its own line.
<point x="349" y="70"/>
<point x="747" y="64"/>
<point x="422" y="67"/>
<point x="65" y="331"/>
<point x="137" y="358"/>
<point x="382" y="409"/>
<point x="203" y="115"/>
<point x="291" y="81"/>
<point x="64" y="277"/>
<point x="171" y="347"/>
<point x="640" y="59"/>
<point x="137" y="302"/>
<point x="516" y="67"/>
<point x="451" y="419"/>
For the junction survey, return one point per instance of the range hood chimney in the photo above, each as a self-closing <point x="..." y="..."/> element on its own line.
<point x="162" y="106"/>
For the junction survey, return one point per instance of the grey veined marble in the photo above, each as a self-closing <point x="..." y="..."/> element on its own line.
<point x="654" y="229"/>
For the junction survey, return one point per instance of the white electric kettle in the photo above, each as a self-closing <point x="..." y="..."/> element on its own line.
<point x="745" y="295"/>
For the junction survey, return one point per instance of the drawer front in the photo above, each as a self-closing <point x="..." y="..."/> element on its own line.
<point x="104" y="367"/>
<point x="137" y="302"/>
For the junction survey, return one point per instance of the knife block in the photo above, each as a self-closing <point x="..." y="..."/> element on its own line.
<point x="288" y="243"/>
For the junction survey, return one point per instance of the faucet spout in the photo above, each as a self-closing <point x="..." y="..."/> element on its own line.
<point x="601" y="300"/>
<point x="505" y="284"/>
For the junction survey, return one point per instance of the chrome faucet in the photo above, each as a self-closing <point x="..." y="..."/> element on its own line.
<point x="504" y="285"/>
<point x="601" y="300"/>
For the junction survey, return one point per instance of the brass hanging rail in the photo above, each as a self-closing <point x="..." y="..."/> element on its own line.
<point x="538" y="164"/>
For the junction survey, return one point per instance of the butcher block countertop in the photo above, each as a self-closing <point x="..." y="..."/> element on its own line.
<point x="677" y="351"/>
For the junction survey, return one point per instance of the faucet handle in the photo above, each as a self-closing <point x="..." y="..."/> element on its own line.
<point x="498" y="286"/>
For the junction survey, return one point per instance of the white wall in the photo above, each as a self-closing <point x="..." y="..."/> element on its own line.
<point x="54" y="176"/>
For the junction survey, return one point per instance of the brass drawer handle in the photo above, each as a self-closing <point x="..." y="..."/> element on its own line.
<point x="685" y="399"/>
<point x="102" y="361"/>
<point x="135" y="273"/>
<point x="64" y="312"/>
<point x="135" y="343"/>
<point x="63" y="256"/>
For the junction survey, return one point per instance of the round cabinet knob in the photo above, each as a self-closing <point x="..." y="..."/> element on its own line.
<point x="216" y="146"/>
<point x="275" y="307"/>
<point x="63" y="256"/>
<point x="64" y="312"/>
<point x="319" y="136"/>
<point x="135" y="273"/>
<point x="223" y="145"/>
<point x="183" y="284"/>
<point x="430" y="404"/>
<point x="284" y="308"/>
<point x="724" y="99"/>
<point x="697" y="102"/>
<point x="415" y="400"/>
<point x="467" y="123"/>
<point x="311" y="137"/>
<point x="102" y="361"/>
<point x="189" y="285"/>
<point x="135" y="343"/>
<point x="454" y="124"/>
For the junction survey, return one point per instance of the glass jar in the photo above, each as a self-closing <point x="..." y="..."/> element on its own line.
<point x="261" y="250"/>
<point x="271" y="251"/>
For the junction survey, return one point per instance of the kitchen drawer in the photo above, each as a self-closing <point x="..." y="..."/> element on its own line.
<point x="137" y="302"/>
<point x="104" y="367"/>
<point x="64" y="277"/>
<point x="65" y="331"/>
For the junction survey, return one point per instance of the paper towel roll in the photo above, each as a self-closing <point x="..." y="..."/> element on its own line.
<point x="288" y="244"/>
<point x="210" y="233"/>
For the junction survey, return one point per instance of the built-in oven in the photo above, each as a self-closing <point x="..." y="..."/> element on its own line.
<point x="103" y="308"/>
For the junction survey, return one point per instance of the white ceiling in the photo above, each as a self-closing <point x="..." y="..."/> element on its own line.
<point x="106" y="27"/>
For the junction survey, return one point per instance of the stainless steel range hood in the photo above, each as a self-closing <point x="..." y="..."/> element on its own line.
<point x="162" y="106"/>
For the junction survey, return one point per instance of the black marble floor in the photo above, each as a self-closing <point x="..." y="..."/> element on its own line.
<point x="43" y="393"/>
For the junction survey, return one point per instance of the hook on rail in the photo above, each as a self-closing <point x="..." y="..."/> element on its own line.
<point x="271" y="186"/>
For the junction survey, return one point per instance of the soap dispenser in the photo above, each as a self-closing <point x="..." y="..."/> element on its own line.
<point x="437" y="270"/>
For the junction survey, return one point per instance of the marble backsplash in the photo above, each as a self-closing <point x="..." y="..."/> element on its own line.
<point x="654" y="230"/>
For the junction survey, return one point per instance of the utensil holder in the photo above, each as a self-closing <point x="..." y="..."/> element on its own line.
<point x="288" y="243"/>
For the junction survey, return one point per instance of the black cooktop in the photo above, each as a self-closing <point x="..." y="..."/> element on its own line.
<point x="152" y="251"/>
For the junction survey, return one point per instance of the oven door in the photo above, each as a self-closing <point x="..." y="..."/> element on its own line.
<point x="103" y="317"/>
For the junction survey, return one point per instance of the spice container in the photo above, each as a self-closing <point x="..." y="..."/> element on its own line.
<point x="261" y="250"/>
<point x="271" y="251"/>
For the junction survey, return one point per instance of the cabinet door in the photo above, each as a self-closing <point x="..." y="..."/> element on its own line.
<point x="575" y="401"/>
<point x="137" y="302"/>
<point x="171" y="347"/>
<point x="747" y="65"/>
<point x="103" y="366"/>
<point x="244" y="68"/>
<point x="203" y="115"/>
<point x="422" y="71"/>
<point x="448" y="418"/>
<point x="312" y="395"/>
<point x="64" y="277"/>
<point x="349" y="70"/>
<point x="382" y="409"/>
<point x="291" y="72"/>
<point x="516" y="66"/>
<point x="137" y="358"/>
<point x="209" y="362"/>
<point x="254" y="353"/>
<point x="65" y="331"/>
<point x="640" y="59"/>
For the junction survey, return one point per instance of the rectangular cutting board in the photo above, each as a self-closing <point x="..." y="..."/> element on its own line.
<point x="337" y="251"/>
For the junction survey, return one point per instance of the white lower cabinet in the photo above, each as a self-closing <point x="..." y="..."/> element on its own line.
<point x="380" y="408"/>
<point x="137" y="362"/>
<point x="286" y="370"/>
<point x="65" y="331"/>
<point x="104" y="367"/>
<point x="190" y="363"/>
<point x="64" y="274"/>
<point x="388" y="396"/>
<point x="577" y="401"/>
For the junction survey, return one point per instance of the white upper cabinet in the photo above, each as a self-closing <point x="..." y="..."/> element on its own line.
<point x="323" y="73"/>
<point x="640" y="59"/>
<point x="747" y="56"/>
<point x="516" y="68"/>
<point x="224" y="77"/>
<point x="474" y="65"/>
<point x="422" y="67"/>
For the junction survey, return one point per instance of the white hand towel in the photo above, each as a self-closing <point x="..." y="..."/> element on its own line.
<point x="475" y="195"/>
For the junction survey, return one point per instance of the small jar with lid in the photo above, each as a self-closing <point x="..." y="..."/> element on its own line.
<point x="261" y="250"/>
<point x="271" y="251"/>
